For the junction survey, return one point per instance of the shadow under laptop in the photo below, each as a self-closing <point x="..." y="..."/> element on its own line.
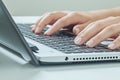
<point x="73" y="71"/>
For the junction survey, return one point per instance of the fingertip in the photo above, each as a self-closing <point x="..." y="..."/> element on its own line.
<point x="76" y="30"/>
<point x="78" y="41"/>
<point x="111" y="46"/>
<point x="37" y="30"/>
<point x="47" y="33"/>
<point x="33" y="28"/>
<point x="90" y="43"/>
<point x="50" y="31"/>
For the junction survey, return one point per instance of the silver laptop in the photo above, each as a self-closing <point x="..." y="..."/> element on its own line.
<point x="55" y="49"/>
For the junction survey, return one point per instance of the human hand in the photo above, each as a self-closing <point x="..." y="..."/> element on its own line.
<point x="63" y="19"/>
<point x="100" y="30"/>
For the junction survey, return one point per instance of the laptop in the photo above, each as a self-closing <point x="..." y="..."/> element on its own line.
<point x="56" y="49"/>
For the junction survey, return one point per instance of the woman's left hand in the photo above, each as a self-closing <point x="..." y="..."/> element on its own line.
<point x="100" y="30"/>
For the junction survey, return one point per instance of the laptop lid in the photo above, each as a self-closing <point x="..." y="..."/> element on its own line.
<point x="12" y="39"/>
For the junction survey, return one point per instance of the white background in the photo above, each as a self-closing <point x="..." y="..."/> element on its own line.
<point x="38" y="7"/>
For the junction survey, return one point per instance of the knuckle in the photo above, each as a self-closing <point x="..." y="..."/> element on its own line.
<point x="62" y="21"/>
<point x="99" y="24"/>
<point x="98" y="38"/>
<point x="110" y="29"/>
<point x="51" y="14"/>
<point x="75" y="28"/>
<point x="111" y="17"/>
<point x="74" y="14"/>
<point x="55" y="12"/>
<point x="118" y="17"/>
<point x="118" y="40"/>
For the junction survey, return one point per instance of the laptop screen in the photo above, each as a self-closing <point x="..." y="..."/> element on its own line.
<point x="10" y="36"/>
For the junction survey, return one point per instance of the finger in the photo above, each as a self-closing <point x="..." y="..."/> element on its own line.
<point x="104" y="34"/>
<point x="78" y="28"/>
<point x="35" y="25"/>
<point x="48" y="19"/>
<point x="94" y="28"/>
<point x="65" y="21"/>
<point x="115" y="44"/>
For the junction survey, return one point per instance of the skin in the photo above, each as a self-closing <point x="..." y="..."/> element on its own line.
<point x="100" y="30"/>
<point x="88" y="26"/>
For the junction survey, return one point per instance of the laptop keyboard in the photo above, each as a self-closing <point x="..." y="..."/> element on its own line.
<point x="61" y="40"/>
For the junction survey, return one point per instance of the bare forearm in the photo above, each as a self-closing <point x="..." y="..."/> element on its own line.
<point x="106" y="12"/>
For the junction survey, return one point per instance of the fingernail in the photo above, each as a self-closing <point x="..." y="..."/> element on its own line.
<point x="48" y="32"/>
<point x="78" y="41"/>
<point x="37" y="30"/>
<point x="112" y="46"/>
<point x="90" y="43"/>
<point x="77" y="30"/>
<point x="32" y="27"/>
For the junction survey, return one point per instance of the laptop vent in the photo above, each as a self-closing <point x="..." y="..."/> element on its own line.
<point x="95" y="58"/>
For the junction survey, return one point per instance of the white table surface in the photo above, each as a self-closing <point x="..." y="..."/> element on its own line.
<point x="11" y="70"/>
